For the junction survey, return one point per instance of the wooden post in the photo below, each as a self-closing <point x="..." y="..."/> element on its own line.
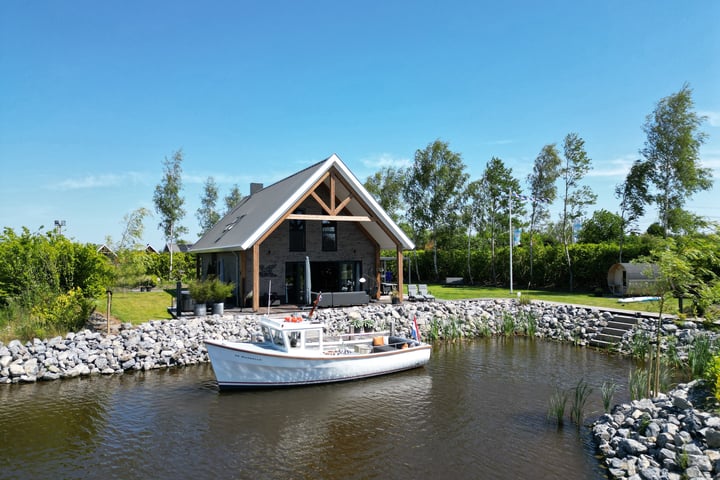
<point x="109" y="303"/>
<point x="256" y="278"/>
<point x="400" y="268"/>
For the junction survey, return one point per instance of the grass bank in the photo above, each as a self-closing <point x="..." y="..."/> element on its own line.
<point x="462" y="292"/>
<point x="139" y="307"/>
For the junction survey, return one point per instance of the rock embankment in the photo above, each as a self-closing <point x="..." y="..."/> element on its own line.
<point x="169" y="343"/>
<point x="663" y="438"/>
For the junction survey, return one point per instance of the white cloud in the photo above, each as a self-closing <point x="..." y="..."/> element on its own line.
<point x="382" y="160"/>
<point x="713" y="118"/>
<point x="711" y="159"/>
<point x="99" y="181"/>
<point x="618" y="167"/>
<point x="500" y="142"/>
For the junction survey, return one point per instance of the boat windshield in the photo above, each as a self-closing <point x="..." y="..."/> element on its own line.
<point x="278" y="338"/>
<point x="266" y="336"/>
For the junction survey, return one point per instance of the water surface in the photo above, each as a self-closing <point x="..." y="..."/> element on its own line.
<point x="477" y="410"/>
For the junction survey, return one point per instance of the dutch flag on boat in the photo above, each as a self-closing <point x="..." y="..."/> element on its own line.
<point x="414" y="331"/>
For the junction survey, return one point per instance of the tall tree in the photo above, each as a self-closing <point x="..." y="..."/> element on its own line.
<point x="543" y="191"/>
<point x="672" y="152"/>
<point x="207" y="214"/>
<point x="169" y="202"/>
<point x="232" y="198"/>
<point x="386" y="185"/>
<point x="500" y="194"/>
<point x="633" y="196"/>
<point x="576" y="197"/>
<point x="472" y="216"/>
<point x="432" y="192"/>
<point x="134" y="228"/>
<point x="603" y="226"/>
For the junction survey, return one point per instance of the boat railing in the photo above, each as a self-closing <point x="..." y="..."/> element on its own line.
<point x="355" y="338"/>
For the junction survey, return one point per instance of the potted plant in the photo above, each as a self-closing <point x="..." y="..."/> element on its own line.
<point x="357" y="324"/>
<point x="368" y="324"/>
<point x="394" y="296"/>
<point x="200" y="293"/>
<point x="219" y="291"/>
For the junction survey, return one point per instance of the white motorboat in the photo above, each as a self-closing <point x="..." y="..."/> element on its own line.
<point x="295" y="351"/>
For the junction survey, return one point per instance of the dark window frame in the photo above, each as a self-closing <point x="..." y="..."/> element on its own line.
<point x="297" y="233"/>
<point x="329" y="236"/>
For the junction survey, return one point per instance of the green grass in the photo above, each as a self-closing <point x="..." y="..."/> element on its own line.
<point x="583" y="298"/>
<point x="137" y="307"/>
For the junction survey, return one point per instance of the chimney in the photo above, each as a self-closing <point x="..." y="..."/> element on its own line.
<point x="255" y="187"/>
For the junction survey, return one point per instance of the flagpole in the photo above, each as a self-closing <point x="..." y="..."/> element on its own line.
<point x="510" y="234"/>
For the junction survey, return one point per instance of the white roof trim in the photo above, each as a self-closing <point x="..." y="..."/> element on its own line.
<point x="377" y="209"/>
<point x="272" y="220"/>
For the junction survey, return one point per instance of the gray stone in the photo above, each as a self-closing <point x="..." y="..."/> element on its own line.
<point x="5" y="361"/>
<point x="681" y="403"/>
<point x="651" y="473"/>
<point x="701" y="462"/>
<point x="632" y="447"/>
<point x="16" y="369"/>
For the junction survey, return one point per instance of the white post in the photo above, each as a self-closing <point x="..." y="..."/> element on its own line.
<point x="510" y="233"/>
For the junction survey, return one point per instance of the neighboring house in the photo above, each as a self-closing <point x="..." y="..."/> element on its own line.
<point x="177" y="247"/>
<point x="150" y="249"/>
<point x="321" y="216"/>
<point x="107" y="251"/>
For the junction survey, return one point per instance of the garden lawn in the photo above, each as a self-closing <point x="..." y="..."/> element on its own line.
<point x="462" y="292"/>
<point x="137" y="307"/>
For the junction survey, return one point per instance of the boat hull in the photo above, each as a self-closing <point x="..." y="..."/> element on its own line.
<point x="238" y="365"/>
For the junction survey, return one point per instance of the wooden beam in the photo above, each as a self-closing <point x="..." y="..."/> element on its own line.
<point x="400" y="280"/>
<point x="322" y="204"/>
<point x="256" y="278"/>
<point x="335" y="218"/>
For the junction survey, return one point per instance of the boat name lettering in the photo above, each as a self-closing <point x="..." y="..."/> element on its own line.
<point x="246" y="357"/>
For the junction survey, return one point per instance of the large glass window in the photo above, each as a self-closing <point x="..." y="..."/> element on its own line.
<point x="297" y="234"/>
<point x="329" y="236"/>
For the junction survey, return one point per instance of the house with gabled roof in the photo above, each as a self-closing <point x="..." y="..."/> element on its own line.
<point x="317" y="228"/>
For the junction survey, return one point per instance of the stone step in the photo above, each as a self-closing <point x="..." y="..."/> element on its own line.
<point x="595" y="342"/>
<point x="614" y="331"/>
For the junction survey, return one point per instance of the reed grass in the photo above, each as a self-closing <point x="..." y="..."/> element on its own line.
<point x="608" y="390"/>
<point x="508" y="324"/>
<point x="638" y="383"/>
<point x="434" y="331"/>
<point x="640" y="345"/>
<point x="556" y="408"/>
<point x="700" y="356"/>
<point x="528" y="322"/>
<point x="524" y="300"/>
<point x="452" y="330"/>
<point x="579" y="400"/>
<point x="672" y="356"/>
<point x="482" y="328"/>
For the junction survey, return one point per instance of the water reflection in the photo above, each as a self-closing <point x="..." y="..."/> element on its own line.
<point x="478" y="410"/>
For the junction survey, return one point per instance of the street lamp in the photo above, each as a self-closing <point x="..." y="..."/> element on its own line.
<point x="59" y="224"/>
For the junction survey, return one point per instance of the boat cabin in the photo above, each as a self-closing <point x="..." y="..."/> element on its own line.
<point x="294" y="333"/>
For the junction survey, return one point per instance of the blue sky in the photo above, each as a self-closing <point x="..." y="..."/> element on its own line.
<point x="93" y="95"/>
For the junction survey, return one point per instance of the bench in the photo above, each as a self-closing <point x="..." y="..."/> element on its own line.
<point x="343" y="299"/>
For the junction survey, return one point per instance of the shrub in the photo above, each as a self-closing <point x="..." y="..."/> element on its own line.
<point x="66" y="312"/>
